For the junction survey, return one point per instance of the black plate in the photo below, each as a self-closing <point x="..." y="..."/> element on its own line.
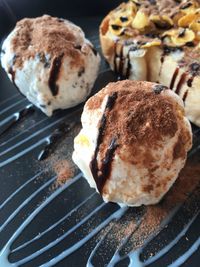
<point x="44" y="223"/>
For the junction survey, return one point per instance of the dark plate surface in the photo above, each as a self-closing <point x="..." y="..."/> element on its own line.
<point x="44" y="223"/>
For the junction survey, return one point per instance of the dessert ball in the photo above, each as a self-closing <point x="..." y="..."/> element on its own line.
<point x="133" y="142"/>
<point x="51" y="62"/>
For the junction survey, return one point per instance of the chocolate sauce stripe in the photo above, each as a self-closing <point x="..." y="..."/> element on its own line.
<point x="180" y="83"/>
<point x="107" y="161"/>
<point x="174" y="77"/>
<point x="73" y="248"/>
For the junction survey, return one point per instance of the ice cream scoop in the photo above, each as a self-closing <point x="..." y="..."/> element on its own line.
<point x="133" y="142"/>
<point x="51" y="62"/>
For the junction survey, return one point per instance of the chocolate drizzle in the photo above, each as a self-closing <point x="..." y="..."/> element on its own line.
<point x="119" y="68"/>
<point x="102" y="174"/>
<point x="174" y="78"/>
<point x="194" y="69"/>
<point x="128" y="66"/>
<point x="52" y="140"/>
<point x="189" y="82"/>
<point x="185" y="95"/>
<point x="168" y="49"/>
<point x="180" y="83"/>
<point x="54" y="73"/>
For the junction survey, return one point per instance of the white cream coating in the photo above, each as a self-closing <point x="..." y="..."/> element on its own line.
<point x="32" y="78"/>
<point x="126" y="182"/>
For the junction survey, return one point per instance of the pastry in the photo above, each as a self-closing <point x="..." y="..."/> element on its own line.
<point x="158" y="41"/>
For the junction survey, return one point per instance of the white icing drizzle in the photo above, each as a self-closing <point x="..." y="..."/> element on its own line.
<point x="172" y="243"/>
<point x="29" y="148"/>
<point x="187" y="254"/>
<point x="116" y="215"/>
<point x="11" y="106"/>
<point x="6" y="249"/>
<point x="20" y="189"/>
<point x="19" y="208"/>
<point x="55" y="224"/>
<point x="8" y="99"/>
<point x="59" y="239"/>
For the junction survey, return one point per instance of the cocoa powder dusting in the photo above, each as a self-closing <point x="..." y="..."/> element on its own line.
<point x="187" y="182"/>
<point x="59" y="163"/>
<point x="149" y="222"/>
<point x="64" y="171"/>
<point x="45" y="34"/>
<point x="139" y="117"/>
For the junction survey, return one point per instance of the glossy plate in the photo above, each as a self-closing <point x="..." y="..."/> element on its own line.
<point x="46" y="223"/>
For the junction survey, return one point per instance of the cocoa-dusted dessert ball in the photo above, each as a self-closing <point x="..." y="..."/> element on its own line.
<point x="133" y="142"/>
<point x="51" y="62"/>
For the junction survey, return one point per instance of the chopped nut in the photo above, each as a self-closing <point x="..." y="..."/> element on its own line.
<point x="140" y="21"/>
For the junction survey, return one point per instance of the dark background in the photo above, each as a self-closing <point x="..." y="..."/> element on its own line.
<point x="13" y="10"/>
